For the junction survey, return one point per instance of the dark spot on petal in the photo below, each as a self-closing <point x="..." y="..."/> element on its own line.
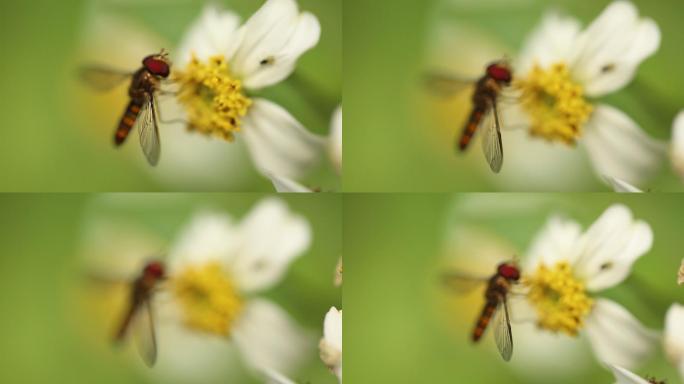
<point x="606" y="265"/>
<point x="608" y="68"/>
<point x="258" y="265"/>
<point x="267" y="61"/>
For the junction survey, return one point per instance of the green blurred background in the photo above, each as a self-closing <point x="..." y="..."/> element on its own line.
<point x="393" y="141"/>
<point x="401" y="327"/>
<point x="56" y="134"/>
<point x="45" y="328"/>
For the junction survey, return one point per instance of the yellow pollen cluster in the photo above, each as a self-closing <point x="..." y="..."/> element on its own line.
<point x="214" y="100"/>
<point x="555" y="103"/>
<point x="208" y="298"/>
<point x="559" y="298"/>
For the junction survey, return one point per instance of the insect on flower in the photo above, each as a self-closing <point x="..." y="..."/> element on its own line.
<point x="496" y="306"/>
<point x="142" y="110"/>
<point x="138" y="317"/>
<point x="484" y="115"/>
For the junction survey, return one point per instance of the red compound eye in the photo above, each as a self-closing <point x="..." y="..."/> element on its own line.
<point x="155" y="269"/>
<point x="157" y="66"/>
<point x="499" y="72"/>
<point x="509" y="271"/>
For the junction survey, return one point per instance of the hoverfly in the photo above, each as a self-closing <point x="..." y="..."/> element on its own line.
<point x="141" y="111"/>
<point x="139" y="311"/>
<point x="484" y="115"/>
<point x="496" y="305"/>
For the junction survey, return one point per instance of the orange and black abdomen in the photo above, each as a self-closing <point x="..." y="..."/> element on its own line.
<point x="483" y="320"/>
<point x="470" y="128"/>
<point x="127" y="121"/>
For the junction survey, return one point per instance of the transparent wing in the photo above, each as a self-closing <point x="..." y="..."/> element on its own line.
<point x="462" y="282"/>
<point x="144" y="335"/>
<point x="445" y="85"/>
<point x="101" y="78"/>
<point x="149" y="131"/>
<point x="105" y="280"/>
<point x="502" y="331"/>
<point x="492" y="146"/>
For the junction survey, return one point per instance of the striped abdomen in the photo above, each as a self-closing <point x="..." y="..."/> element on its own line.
<point x="127" y="121"/>
<point x="483" y="320"/>
<point x="471" y="127"/>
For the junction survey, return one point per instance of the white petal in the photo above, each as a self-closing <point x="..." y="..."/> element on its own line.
<point x="189" y="357"/>
<point x="612" y="47"/>
<point x="215" y="32"/>
<point x="332" y="328"/>
<point x="331" y="344"/>
<point x="103" y="30"/>
<point x="194" y="162"/>
<point x="619" y="148"/>
<point x="624" y="376"/>
<point x="544" y="355"/>
<point x="673" y="338"/>
<point x="680" y="273"/>
<point x="537" y="165"/>
<point x="278" y="143"/>
<point x="677" y="148"/>
<point x="270" y="238"/>
<point x="269" y="339"/>
<point x="283" y="184"/>
<point x="336" y="140"/>
<point x="208" y="237"/>
<point x="617" y="337"/>
<point x="119" y="260"/>
<point x="622" y="186"/>
<point x="550" y="43"/>
<point x="610" y="246"/>
<point x="277" y="32"/>
<point x="273" y="377"/>
<point x="556" y="241"/>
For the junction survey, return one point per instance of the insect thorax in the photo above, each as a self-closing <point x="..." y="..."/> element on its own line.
<point x="143" y="83"/>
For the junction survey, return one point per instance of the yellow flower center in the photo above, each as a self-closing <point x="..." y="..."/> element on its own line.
<point x="559" y="298"/>
<point x="208" y="298"/>
<point x="555" y="103"/>
<point x="214" y="100"/>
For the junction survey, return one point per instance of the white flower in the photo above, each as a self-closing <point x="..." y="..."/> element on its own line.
<point x="565" y="266"/>
<point x="285" y="184"/>
<point x="273" y="377"/>
<point x="561" y="66"/>
<point x="220" y="59"/>
<point x="331" y="343"/>
<point x="673" y="337"/>
<point x="677" y="148"/>
<point x="335" y="140"/>
<point x="622" y="186"/>
<point x="187" y="162"/>
<point x="210" y="303"/>
<point x="624" y="376"/>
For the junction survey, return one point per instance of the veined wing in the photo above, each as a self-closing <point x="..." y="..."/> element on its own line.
<point x="502" y="331"/>
<point x="144" y="334"/>
<point x="149" y="131"/>
<point x="446" y="85"/>
<point x="492" y="146"/>
<point x="102" y="78"/>
<point x="462" y="282"/>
